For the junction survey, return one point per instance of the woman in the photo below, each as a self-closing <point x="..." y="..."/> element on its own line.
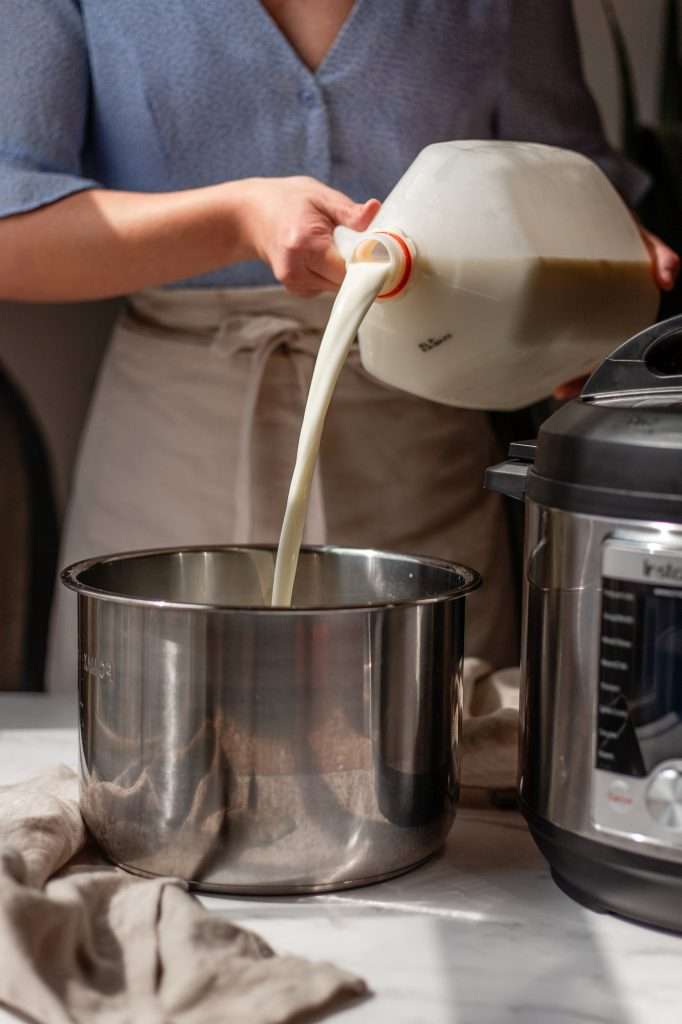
<point x="157" y="144"/>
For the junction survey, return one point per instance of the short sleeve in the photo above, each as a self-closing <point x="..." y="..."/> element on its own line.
<point x="544" y="97"/>
<point x="44" y="96"/>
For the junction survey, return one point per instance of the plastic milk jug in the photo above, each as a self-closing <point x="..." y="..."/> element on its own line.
<point x="514" y="267"/>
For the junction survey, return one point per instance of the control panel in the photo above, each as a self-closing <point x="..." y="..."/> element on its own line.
<point x="638" y="757"/>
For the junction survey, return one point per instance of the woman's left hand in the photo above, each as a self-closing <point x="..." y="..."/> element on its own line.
<point x="664" y="261"/>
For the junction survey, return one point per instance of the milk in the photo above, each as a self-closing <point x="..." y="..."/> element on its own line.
<point x="361" y="285"/>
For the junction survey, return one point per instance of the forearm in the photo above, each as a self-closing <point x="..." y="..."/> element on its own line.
<point x="100" y="243"/>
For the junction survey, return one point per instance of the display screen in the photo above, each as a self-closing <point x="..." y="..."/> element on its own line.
<point x="640" y="694"/>
<point x="656" y="705"/>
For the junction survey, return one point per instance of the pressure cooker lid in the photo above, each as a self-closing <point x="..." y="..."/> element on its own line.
<point x="617" y="450"/>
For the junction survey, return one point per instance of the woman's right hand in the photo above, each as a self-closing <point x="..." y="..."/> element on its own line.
<point x="288" y="223"/>
<point x="103" y="242"/>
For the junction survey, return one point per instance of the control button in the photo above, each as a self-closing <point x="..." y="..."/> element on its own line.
<point x="619" y="796"/>
<point x="664" y="799"/>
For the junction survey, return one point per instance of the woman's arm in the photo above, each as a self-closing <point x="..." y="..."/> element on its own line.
<point x="99" y="243"/>
<point x="63" y="236"/>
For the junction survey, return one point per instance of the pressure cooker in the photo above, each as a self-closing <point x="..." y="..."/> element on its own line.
<point x="601" y="706"/>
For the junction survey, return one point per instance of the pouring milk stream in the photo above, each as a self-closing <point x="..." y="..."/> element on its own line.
<point x="361" y="286"/>
<point x="501" y="270"/>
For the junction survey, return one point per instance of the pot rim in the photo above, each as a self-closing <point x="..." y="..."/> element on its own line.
<point x="70" y="578"/>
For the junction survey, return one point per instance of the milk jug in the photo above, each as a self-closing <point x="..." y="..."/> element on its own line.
<point x="513" y="267"/>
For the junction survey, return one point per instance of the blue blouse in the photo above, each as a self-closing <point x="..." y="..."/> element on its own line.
<point x="160" y="95"/>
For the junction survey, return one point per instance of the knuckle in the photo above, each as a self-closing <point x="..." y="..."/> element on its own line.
<point x="294" y="240"/>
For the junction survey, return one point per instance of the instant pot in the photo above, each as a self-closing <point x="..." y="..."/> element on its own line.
<point x="601" y="719"/>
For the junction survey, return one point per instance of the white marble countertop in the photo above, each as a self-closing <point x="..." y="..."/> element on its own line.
<point x="480" y="935"/>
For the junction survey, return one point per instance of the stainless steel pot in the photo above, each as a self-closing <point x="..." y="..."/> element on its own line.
<point x="259" y="750"/>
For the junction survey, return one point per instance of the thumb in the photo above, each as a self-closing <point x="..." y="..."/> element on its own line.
<point x="361" y="215"/>
<point x="343" y="210"/>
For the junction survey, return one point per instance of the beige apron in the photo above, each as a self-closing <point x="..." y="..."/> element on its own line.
<point x="191" y="439"/>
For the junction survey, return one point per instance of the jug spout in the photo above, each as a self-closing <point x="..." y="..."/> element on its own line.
<point x="379" y="246"/>
<point x="346" y="241"/>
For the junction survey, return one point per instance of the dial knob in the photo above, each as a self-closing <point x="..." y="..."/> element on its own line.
<point x="664" y="799"/>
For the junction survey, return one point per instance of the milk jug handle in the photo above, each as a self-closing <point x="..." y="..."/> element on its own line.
<point x="650" y="361"/>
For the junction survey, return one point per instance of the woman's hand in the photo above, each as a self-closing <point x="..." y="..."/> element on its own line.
<point x="665" y="262"/>
<point x="103" y="242"/>
<point x="288" y="223"/>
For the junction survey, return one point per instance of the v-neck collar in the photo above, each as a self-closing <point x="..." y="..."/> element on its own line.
<point x="293" y="54"/>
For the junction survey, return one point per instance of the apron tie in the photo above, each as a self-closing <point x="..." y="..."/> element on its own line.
<point x="260" y="336"/>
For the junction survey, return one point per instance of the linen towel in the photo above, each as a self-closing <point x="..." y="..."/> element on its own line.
<point x="490" y="726"/>
<point x="82" y="942"/>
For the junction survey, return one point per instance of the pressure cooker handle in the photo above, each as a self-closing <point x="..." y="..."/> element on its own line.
<point x="510" y="477"/>
<point x="650" y="361"/>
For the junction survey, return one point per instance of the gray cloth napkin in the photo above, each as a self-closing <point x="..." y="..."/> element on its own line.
<point x="82" y="941"/>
